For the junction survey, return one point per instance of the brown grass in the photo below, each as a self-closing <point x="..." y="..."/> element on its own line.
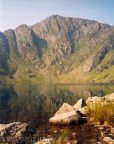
<point x="102" y="112"/>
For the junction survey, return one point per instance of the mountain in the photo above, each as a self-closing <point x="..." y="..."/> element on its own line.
<point x="58" y="49"/>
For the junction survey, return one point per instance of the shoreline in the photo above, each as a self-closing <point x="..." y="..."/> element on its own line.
<point x="95" y="127"/>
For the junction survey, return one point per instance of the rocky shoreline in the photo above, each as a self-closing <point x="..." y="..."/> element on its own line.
<point x="15" y="132"/>
<point x="66" y="115"/>
<point x="77" y="114"/>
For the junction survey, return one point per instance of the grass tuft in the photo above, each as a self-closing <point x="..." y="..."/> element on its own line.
<point x="102" y="112"/>
<point x="61" y="139"/>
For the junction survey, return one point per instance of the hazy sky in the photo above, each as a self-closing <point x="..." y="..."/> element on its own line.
<point x="16" y="12"/>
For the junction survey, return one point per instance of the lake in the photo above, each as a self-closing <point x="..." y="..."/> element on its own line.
<point x="36" y="103"/>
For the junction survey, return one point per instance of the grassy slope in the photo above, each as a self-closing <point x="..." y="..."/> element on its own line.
<point x="107" y="75"/>
<point x="72" y="77"/>
<point x="46" y="76"/>
<point x="76" y="75"/>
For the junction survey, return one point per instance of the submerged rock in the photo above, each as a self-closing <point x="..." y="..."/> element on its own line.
<point x="65" y="115"/>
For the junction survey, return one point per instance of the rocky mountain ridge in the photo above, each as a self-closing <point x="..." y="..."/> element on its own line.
<point x="58" y="49"/>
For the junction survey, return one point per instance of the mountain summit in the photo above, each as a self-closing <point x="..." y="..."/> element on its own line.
<point x="58" y="49"/>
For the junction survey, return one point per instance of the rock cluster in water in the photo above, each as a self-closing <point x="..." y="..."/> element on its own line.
<point x="68" y="114"/>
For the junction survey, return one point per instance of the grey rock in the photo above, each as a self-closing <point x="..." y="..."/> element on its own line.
<point x="93" y="99"/>
<point x="112" y="131"/>
<point x="108" y="140"/>
<point x="13" y="130"/>
<point x="64" y="109"/>
<point x="80" y="104"/>
<point x="106" y="98"/>
<point x="109" y="97"/>
<point x="65" y="115"/>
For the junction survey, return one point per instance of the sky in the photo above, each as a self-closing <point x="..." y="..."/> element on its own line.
<point x="16" y="12"/>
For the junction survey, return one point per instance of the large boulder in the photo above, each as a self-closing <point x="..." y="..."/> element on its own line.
<point x="80" y="104"/>
<point x="65" y="118"/>
<point x="65" y="115"/>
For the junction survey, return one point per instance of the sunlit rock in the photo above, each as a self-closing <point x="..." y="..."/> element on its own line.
<point x="81" y="103"/>
<point x="108" y="140"/>
<point x="109" y="97"/>
<point x="65" y="115"/>
<point x="65" y="108"/>
<point x="93" y="99"/>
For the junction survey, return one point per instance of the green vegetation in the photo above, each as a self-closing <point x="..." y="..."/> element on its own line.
<point x="102" y="77"/>
<point x="79" y="44"/>
<point x="102" y="112"/>
<point x="108" y="60"/>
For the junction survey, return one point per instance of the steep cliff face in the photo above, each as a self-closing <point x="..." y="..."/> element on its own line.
<point x="63" y="34"/>
<point x="4" y="54"/>
<point x="59" y="48"/>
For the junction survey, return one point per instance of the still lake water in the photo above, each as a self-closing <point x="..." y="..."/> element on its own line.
<point x="36" y="103"/>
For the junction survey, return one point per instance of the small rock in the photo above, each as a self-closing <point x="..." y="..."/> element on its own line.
<point x="45" y="141"/>
<point x="108" y="140"/>
<point x="73" y="134"/>
<point x="74" y="141"/>
<point x="112" y="131"/>
<point x="101" y="128"/>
